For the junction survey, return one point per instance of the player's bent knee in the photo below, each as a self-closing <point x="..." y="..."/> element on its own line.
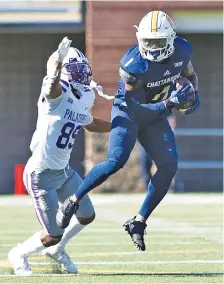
<point x="113" y="166"/>
<point x="86" y="221"/>
<point x="49" y="241"/>
<point x="171" y="169"/>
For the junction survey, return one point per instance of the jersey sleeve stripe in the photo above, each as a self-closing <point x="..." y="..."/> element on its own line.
<point x="64" y="89"/>
<point x="64" y="82"/>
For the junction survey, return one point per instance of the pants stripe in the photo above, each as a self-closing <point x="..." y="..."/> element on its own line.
<point x="33" y="192"/>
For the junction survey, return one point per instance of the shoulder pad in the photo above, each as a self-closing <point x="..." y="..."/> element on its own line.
<point x="183" y="44"/>
<point x="132" y="61"/>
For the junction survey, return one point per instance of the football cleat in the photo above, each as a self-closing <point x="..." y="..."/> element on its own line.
<point x="136" y="230"/>
<point x="62" y="258"/>
<point x="19" y="262"/>
<point x="65" y="213"/>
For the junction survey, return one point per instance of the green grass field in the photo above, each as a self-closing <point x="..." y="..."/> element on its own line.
<point x="184" y="242"/>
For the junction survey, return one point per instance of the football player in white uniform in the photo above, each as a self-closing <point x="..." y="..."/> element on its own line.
<point x="63" y="109"/>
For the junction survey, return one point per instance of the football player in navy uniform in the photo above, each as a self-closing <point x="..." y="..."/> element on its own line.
<point x="146" y="93"/>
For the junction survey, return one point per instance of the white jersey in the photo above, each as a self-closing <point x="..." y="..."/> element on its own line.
<point x="59" y="121"/>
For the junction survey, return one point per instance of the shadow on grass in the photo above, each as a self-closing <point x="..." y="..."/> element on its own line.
<point x="202" y="274"/>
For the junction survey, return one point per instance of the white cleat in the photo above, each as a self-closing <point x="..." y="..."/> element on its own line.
<point x="19" y="262"/>
<point x="61" y="257"/>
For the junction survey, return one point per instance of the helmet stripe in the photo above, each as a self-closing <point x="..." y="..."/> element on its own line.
<point x="80" y="54"/>
<point x="154" y="21"/>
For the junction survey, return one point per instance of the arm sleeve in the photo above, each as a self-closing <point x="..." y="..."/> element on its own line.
<point x="128" y="78"/>
<point x="52" y="103"/>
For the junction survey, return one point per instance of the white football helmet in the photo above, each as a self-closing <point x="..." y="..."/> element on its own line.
<point x="156" y="34"/>
<point x="76" y="68"/>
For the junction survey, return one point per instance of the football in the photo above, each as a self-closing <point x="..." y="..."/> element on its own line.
<point x="191" y="97"/>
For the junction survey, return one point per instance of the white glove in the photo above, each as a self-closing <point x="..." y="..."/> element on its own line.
<point x="63" y="48"/>
<point x="98" y="88"/>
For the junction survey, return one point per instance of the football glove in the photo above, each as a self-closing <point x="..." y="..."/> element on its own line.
<point x="177" y="97"/>
<point x="63" y="48"/>
<point x="58" y="55"/>
<point x="195" y="106"/>
<point x="65" y="213"/>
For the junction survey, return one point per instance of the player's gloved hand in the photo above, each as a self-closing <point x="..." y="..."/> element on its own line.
<point x="177" y="97"/>
<point x="98" y="88"/>
<point x="63" y="48"/>
<point x="65" y="213"/>
<point x="100" y="91"/>
<point x="195" y="106"/>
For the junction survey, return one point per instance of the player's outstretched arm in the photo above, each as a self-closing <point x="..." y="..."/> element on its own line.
<point x="99" y="125"/>
<point x="99" y="90"/>
<point x="51" y="85"/>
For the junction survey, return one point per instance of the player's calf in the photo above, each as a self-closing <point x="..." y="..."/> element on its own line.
<point x="49" y="241"/>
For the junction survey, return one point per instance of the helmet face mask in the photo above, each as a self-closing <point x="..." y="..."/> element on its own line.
<point x="79" y="72"/>
<point x="153" y="43"/>
<point x="76" y="69"/>
<point x="156" y="40"/>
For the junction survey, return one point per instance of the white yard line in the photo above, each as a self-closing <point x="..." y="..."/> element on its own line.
<point x="136" y="262"/>
<point x="85" y="233"/>
<point x="180" y="228"/>
<point x="165" y="225"/>
<point x="134" y="198"/>
<point x="121" y="253"/>
<point x="185" y="228"/>
<point x="80" y="244"/>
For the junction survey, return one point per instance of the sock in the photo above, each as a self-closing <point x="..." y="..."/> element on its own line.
<point x="73" y="229"/>
<point x="32" y="245"/>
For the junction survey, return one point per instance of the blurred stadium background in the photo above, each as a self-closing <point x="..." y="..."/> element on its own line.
<point x="31" y="30"/>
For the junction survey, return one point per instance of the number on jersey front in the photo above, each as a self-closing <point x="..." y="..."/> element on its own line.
<point x="68" y="134"/>
<point x="162" y="95"/>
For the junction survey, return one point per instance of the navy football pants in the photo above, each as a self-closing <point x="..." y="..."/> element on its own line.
<point x="156" y="138"/>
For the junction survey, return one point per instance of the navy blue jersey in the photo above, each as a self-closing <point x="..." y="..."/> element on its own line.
<point x="157" y="77"/>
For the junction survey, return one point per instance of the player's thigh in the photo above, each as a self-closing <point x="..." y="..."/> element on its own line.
<point x="69" y="188"/>
<point x="42" y="189"/>
<point x="159" y="142"/>
<point x="123" y="136"/>
<point x="145" y="159"/>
